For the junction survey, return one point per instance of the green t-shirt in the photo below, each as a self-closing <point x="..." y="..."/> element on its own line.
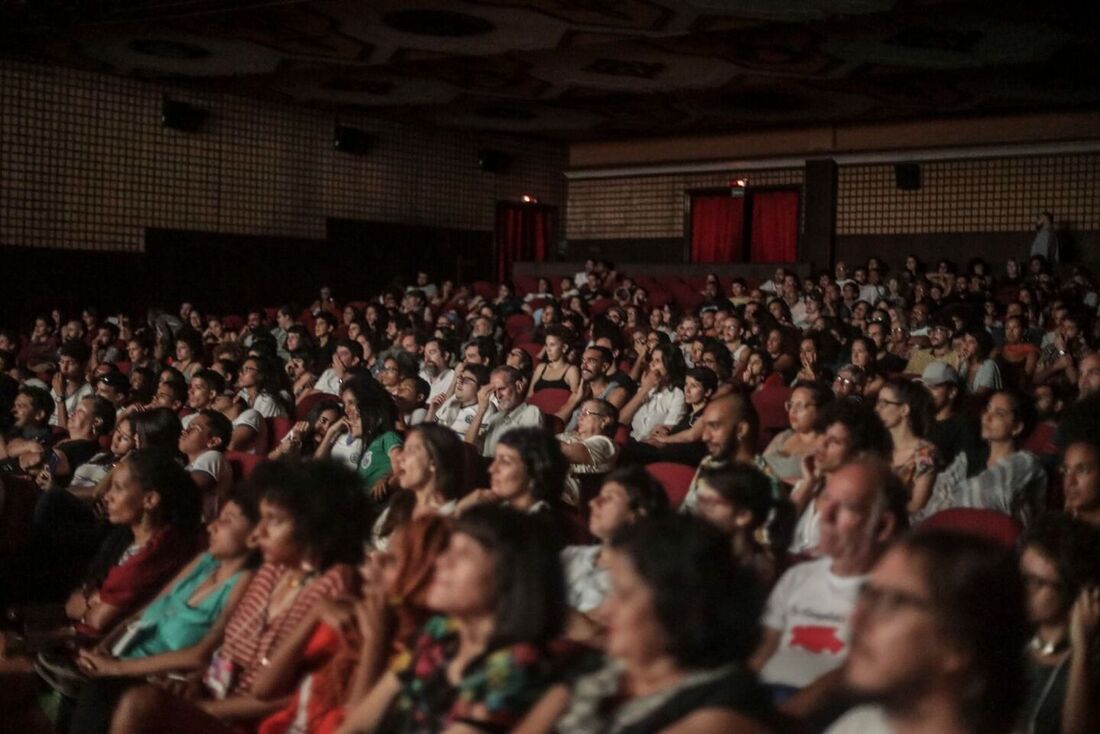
<point x="375" y="463"/>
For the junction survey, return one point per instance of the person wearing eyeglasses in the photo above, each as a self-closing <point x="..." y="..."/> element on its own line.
<point x="905" y="407"/>
<point x="939" y="349"/>
<point x="999" y="475"/>
<point x="937" y="635"/>
<point x="848" y="383"/>
<point x="783" y="456"/>
<point x="807" y="634"/>
<point x="204" y="442"/>
<point x="589" y="449"/>
<point x="1060" y="567"/>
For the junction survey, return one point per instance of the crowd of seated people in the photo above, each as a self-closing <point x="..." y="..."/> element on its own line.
<point x="867" y="500"/>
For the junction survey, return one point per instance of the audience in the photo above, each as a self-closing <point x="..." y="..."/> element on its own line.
<point x="365" y="426"/>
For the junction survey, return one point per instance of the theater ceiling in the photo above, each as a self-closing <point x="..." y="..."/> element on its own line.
<point x="591" y="69"/>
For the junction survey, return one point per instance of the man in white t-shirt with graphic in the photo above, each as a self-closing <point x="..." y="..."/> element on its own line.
<point x="806" y="630"/>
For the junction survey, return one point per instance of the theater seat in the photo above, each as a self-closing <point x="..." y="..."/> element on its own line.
<point x="277" y="428"/>
<point x="1041" y="440"/>
<point x="517" y="324"/>
<point x="769" y="402"/>
<point x="675" y="478"/>
<point x="553" y="423"/>
<point x="243" y="464"/>
<point x="303" y="406"/>
<point x="987" y="523"/>
<point x="531" y="348"/>
<point x="550" y="399"/>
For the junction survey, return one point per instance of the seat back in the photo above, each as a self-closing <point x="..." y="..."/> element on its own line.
<point x="550" y="399"/>
<point x="243" y="464"/>
<point x="987" y="523"/>
<point x="771" y="410"/>
<point x="303" y="406"/>
<point x="675" y="478"/>
<point x="277" y="428"/>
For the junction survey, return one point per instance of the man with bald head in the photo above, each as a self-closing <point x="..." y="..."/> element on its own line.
<point x="729" y="428"/>
<point x="806" y="633"/>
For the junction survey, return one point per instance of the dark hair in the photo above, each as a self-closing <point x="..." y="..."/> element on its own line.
<point x="647" y="497"/>
<point x="352" y="346"/>
<point x="213" y="380"/>
<point x="865" y="428"/>
<point x="705" y="377"/>
<point x="328" y="318"/>
<point x="219" y="426"/>
<point x="708" y="607"/>
<point x="984" y="340"/>
<point x="178" y="389"/>
<point x="721" y="355"/>
<point x="743" y="486"/>
<point x="76" y="350"/>
<point x="978" y="601"/>
<point x="916" y="396"/>
<point x="104" y="412"/>
<point x="193" y="340"/>
<point x="157" y="428"/>
<point x="446" y="451"/>
<point x="180" y="505"/>
<point x="326" y="502"/>
<point x="41" y="400"/>
<point x="529" y="590"/>
<point x="821" y="395"/>
<point x="542" y="459"/>
<point x="673" y="358"/>
<point x="479" y="372"/>
<point x="1023" y="410"/>
<point x="377" y="411"/>
<point x="1072" y="546"/>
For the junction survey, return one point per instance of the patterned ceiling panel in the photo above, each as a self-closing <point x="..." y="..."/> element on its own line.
<point x="591" y="69"/>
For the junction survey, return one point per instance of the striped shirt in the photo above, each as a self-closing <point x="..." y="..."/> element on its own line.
<point x="249" y="641"/>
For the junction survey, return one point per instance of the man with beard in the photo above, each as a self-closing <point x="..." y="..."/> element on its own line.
<point x="939" y="349"/>
<point x="499" y="409"/>
<point x="729" y="428"/>
<point x="595" y="383"/>
<point x="437" y="370"/>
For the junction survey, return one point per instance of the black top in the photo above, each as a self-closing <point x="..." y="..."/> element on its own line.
<point x="953" y="435"/>
<point x="738" y="691"/>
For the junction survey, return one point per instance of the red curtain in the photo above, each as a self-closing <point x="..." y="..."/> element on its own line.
<point x="523" y="232"/>
<point x="774" y="227"/>
<point x="716" y="228"/>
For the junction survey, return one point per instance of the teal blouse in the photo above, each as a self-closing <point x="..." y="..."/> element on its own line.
<point x="170" y="623"/>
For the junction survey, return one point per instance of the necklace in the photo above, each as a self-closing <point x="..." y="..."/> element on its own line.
<point x="1049" y="647"/>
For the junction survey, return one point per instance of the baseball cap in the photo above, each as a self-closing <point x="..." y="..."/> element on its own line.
<point x="939" y="373"/>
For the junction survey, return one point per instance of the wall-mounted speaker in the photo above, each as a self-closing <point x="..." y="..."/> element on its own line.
<point x="493" y="161"/>
<point x="181" y="116"/>
<point x="907" y="176"/>
<point x="351" y="140"/>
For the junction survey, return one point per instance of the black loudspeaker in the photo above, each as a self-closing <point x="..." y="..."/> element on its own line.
<point x="351" y="140"/>
<point x="181" y="116"/>
<point x="493" y="161"/>
<point x="907" y="176"/>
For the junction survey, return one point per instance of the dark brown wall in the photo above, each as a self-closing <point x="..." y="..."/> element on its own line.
<point x="993" y="247"/>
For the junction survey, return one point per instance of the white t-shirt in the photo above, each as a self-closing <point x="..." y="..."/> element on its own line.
<point x="347" y="451"/>
<point x="439" y="384"/>
<point x="456" y="417"/>
<point x="862" y="720"/>
<point x="495" y="424"/>
<point x="807" y="533"/>
<point x="256" y="422"/>
<point x="213" y="463"/>
<point x="662" y="408"/>
<point x="267" y="406"/>
<point x="416" y="417"/>
<point x="328" y="382"/>
<point x="810" y="606"/>
<point x="70" y="403"/>
<point x="586" y="583"/>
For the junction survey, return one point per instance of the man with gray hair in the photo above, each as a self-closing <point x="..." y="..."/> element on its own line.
<point x="806" y="630"/>
<point x="500" y="408"/>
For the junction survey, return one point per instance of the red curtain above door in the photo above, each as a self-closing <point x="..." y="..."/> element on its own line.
<point x="716" y="228"/>
<point x="523" y="232"/>
<point x="774" y="236"/>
